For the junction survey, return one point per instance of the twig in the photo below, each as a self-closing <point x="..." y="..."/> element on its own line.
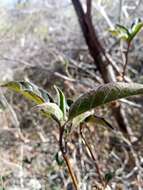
<point x="92" y="155"/>
<point x="64" y="77"/>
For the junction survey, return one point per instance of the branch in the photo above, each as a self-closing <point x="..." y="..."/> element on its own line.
<point x="88" y="6"/>
<point x="98" y="54"/>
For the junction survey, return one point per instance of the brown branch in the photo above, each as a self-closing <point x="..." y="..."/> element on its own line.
<point x="99" y="56"/>
<point x="95" y="48"/>
<point x="88" y="8"/>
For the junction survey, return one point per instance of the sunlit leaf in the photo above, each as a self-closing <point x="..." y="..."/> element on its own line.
<point x="61" y="101"/>
<point x="136" y="27"/>
<point x="51" y="109"/>
<point x="29" y="90"/>
<point x="12" y="85"/>
<point x="32" y="96"/>
<point x="103" y="94"/>
<point x="120" y="32"/>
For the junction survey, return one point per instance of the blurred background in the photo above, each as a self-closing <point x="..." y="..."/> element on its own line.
<point x="42" y="41"/>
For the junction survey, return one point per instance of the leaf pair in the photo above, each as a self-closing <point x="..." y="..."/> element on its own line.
<point x="121" y="32"/>
<point x="57" y="111"/>
<point x="127" y="34"/>
<point x="42" y="98"/>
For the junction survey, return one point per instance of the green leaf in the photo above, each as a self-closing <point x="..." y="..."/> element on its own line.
<point x="61" y="100"/>
<point x="32" y="96"/>
<point x="135" y="28"/>
<point x="122" y="28"/>
<point x="12" y="85"/>
<point x="123" y="33"/>
<point x="94" y="119"/>
<point x="51" y="109"/>
<point x="103" y="94"/>
<point x="29" y="90"/>
<point x="120" y="32"/>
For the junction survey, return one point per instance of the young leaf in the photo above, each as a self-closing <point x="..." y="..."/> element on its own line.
<point x="135" y="28"/>
<point x="51" y="109"/>
<point x="122" y="28"/>
<point x="29" y="90"/>
<point x="94" y="119"/>
<point x="121" y="32"/>
<point x="103" y="94"/>
<point x="61" y="100"/>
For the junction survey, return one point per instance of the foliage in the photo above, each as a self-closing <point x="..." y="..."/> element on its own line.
<point x="67" y="113"/>
<point x="58" y="110"/>
<point x="30" y="91"/>
<point x="103" y="94"/>
<point x="128" y="34"/>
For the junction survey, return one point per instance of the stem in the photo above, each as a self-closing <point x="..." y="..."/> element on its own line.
<point x="72" y="175"/>
<point x="66" y="159"/>
<point x="126" y="60"/>
<point x="92" y="155"/>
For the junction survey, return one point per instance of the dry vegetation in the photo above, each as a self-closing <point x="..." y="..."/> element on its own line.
<point x="43" y="42"/>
